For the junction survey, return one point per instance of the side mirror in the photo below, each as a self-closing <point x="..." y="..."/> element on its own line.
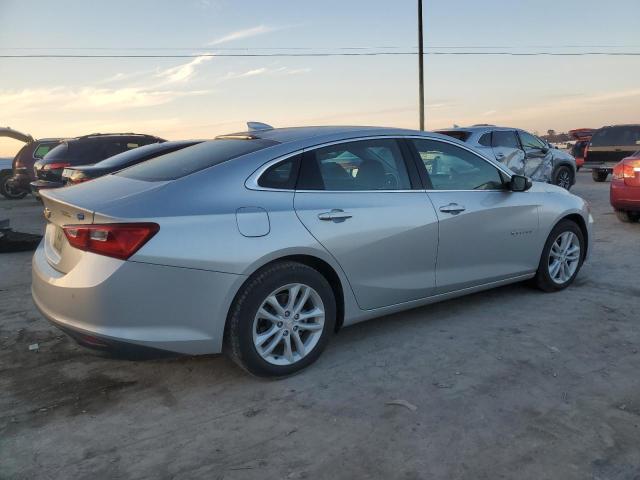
<point x="545" y="150"/>
<point x="520" y="183"/>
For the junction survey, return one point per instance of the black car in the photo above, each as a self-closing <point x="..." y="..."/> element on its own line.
<point x="85" y="150"/>
<point x="608" y="146"/>
<point x="16" y="175"/>
<point x="82" y="173"/>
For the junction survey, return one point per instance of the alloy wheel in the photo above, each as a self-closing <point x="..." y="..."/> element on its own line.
<point x="564" y="179"/>
<point x="564" y="257"/>
<point x="288" y="324"/>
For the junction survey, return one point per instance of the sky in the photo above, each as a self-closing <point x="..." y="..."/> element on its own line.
<point x="204" y="96"/>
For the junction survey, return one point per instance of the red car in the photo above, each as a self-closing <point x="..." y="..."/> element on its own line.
<point x="625" y="189"/>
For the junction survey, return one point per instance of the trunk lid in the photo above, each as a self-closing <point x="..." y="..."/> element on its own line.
<point x="77" y="205"/>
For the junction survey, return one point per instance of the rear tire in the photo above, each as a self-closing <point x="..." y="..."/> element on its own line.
<point x="599" y="175"/>
<point x="564" y="177"/>
<point x="550" y="279"/>
<point x="6" y="191"/>
<point x="292" y="320"/>
<point x="627" y="217"/>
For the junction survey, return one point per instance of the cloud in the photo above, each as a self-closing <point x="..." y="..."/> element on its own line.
<point x="489" y="113"/>
<point x="15" y="102"/>
<point x="265" y="71"/>
<point x="246" y="33"/>
<point x="183" y="73"/>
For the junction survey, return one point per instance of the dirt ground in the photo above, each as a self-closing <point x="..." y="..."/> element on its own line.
<point x="510" y="383"/>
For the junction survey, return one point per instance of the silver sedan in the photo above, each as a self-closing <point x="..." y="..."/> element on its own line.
<point x="266" y="242"/>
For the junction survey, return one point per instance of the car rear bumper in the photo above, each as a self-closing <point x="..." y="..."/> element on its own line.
<point x="600" y="165"/>
<point x="624" y="197"/>
<point x="175" y="309"/>
<point x="38" y="185"/>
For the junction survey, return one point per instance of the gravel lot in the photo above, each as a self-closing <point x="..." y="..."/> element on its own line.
<point x="510" y="383"/>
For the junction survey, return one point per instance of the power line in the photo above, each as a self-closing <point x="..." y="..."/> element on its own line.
<point x="379" y="47"/>
<point x="328" y="54"/>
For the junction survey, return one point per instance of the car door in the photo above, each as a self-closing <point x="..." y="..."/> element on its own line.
<point x="538" y="157"/>
<point x="358" y="199"/>
<point x="508" y="151"/>
<point x="486" y="232"/>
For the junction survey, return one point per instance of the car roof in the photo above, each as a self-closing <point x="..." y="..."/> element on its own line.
<point x="476" y="128"/>
<point x="297" y="134"/>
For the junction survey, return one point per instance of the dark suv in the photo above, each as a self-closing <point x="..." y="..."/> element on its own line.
<point x="16" y="175"/>
<point x="85" y="150"/>
<point x="608" y="146"/>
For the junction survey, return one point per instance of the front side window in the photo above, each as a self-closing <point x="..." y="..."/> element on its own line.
<point x="453" y="168"/>
<point x="505" y="138"/>
<point x="530" y="142"/>
<point x="375" y="164"/>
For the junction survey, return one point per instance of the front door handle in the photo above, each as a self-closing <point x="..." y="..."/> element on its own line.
<point x="452" y="208"/>
<point x="335" y="215"/>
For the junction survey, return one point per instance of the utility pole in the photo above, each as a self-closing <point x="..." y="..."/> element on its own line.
<point x="420" y="65"/>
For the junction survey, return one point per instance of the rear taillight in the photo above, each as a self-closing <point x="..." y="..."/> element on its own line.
<point x="55" y="166"/>
<point x="74" y="181"/>
<point x="629" y="171"/>
<point x="118" y="240"/>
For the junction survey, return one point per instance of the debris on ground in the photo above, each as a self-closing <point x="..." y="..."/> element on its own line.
<point x="403" y="403"/>
<point x="34" y="347"/>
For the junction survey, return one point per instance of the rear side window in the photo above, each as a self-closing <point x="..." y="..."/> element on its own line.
<point x="190" y="160"/>
<point x="505" y="138"/>
<point x="457" y="134"/>
<point x="362" y="165"/>
<point x="485" y="140"/>
<point x="43" y="149"/>
<point x="616" y="136"/>
<point x="282" y="175"/>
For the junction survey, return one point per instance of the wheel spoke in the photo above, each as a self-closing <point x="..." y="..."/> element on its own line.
<point x="262" y="313"/>
<point x="315" y="313"/>
<point x="554" y="268"/>
<point x="273" y="301"/>
<point x="288" y="353"/>
<point x="273" y="344"/>
<point x="263" y="337"/>
<point x="299" y="345"/>
<point x="312" y="327"/>
<point x="303" y="300"/>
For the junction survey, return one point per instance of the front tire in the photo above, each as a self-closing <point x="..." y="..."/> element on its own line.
<point x="561" y="257"/>
<point x="564" y="177"/>
<point x="599" y="175"/>
<point x="8" y="192"/>
<point x="281" y="320"/>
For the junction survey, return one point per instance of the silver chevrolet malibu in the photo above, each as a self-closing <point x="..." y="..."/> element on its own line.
<point x="266" y="242"/>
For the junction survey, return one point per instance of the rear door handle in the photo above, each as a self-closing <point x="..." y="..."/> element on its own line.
<point x="335" y="215"/>
<point x="452" y="208"/>
<point x="499" y="156"/>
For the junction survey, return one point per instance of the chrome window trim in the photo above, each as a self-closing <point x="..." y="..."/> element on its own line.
<point x="252" y="182"/>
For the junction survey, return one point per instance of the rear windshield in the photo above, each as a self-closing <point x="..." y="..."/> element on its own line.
<point x="189" y="160"/>
<point x="459" y="134"/>
<point x="612" y="136"/>
<point x="142" y="153"/>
